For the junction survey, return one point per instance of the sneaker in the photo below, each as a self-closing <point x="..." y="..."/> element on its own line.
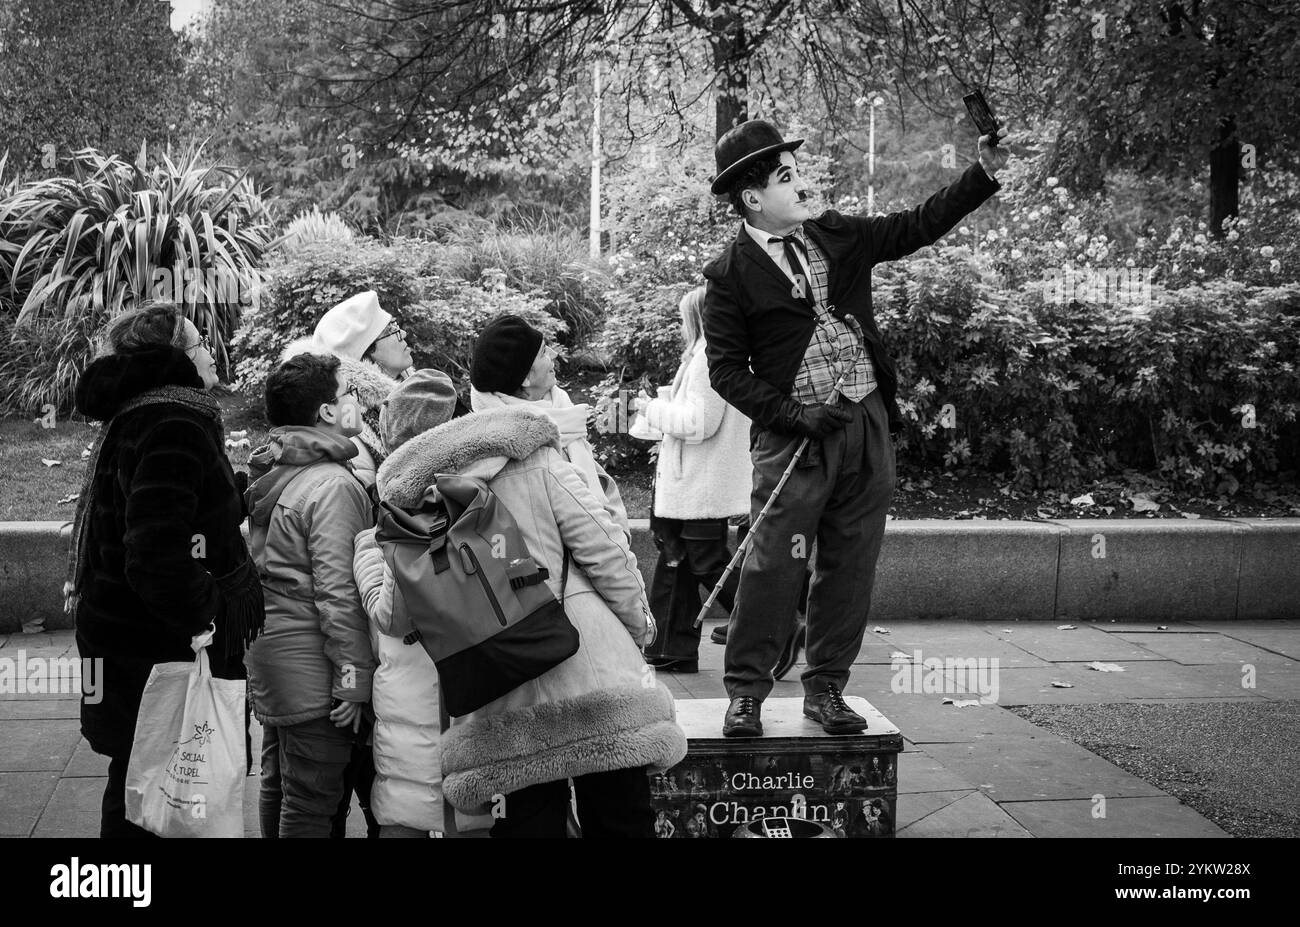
<point x="719" y="634"/>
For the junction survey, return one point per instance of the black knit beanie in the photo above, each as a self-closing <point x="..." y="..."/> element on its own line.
<point x="503" y="355"/>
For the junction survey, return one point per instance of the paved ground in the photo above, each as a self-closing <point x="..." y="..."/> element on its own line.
<point x="1232" y="761"/>
<point x="980" y="770"/>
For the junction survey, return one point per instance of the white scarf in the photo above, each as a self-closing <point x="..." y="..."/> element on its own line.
<point x="569" y="418"/>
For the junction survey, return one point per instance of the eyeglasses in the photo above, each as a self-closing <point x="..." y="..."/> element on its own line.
<point x="349" y="391"/>
<point x="203" y="342"/>
<point x="389" y="332"/>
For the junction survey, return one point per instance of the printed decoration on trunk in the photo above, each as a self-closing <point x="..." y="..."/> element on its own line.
<point x="854" y="795"/>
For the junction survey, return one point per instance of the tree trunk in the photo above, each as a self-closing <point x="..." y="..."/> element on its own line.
<point x="1225" y="169"/>
<point x="731" y="64"/>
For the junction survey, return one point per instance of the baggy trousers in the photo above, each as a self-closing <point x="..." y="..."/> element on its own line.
<point x="838" y="494"/>
<point x="690" y="553"/>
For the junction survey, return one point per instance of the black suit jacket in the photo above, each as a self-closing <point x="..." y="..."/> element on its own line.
<point x="757" y="330"/>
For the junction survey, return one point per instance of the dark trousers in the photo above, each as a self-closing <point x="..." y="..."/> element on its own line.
<point x="610" y="804"/>
<point x="691" y="554"/>
<point x="358" y="778"/>
<point x="303" y="767"/>
<point x="112" y="820"/>
<point x="838" y="495"/>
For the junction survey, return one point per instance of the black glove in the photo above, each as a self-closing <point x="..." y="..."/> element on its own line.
<point x="817" y="420"/>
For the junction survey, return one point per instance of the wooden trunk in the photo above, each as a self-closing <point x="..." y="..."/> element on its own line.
<point x="847" y="782"/>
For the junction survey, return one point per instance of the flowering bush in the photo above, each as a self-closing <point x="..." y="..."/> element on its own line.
<point x="303" y="285"/>
<point x="444" y="322"/>
<point x="543" y="259"/>
<point x="1202" y="386"/>
<point x="441" y="316"/>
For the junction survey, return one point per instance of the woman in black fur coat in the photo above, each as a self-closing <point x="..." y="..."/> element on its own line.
<point x="157" y="555"/>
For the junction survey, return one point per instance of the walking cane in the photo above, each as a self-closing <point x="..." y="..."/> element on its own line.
<point x="794" y="462"/>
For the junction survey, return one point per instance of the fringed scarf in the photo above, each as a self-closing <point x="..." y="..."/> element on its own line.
<point x="369" y="435"/>
<point x="241" y="590"/>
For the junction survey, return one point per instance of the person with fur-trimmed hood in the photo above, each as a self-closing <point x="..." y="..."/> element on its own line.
<point x="372" y="351"/>
<point x="599" y="718"/>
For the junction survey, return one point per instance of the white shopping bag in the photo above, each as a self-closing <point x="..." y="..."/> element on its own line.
<point x="186" y="775"/>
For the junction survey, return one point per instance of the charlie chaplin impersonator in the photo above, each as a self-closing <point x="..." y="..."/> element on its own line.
<point x="793" y="344"/>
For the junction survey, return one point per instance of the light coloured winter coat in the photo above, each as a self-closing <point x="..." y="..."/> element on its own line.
<point x="404" y="694"/>
<point x="598" y="711"/>
<point x="704" y="469"/>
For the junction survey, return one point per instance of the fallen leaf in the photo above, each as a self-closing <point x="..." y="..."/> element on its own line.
<point x="1108" y="509"/>
<point x="1085" y="499"/>
<point x="1066" y="627"/>
<point x="66" y="499"/>
<point x="1063" y="685"/>
<point x="961" y="702"/>
<point x="1162" y="627"/>
<point x="1189" y="515"/>
<point x="879" y="630"/>
<point x="1142" y="502"/>
<point x="50" y="463"/>
<point x="1105" y="667"/>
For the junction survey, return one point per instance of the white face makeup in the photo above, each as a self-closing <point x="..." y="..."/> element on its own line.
<point x="781" y="206"/>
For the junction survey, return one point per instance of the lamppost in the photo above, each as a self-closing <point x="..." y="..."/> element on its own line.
<point x="871" y="158"/>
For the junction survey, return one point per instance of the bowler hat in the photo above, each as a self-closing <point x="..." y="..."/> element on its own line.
<point x="742" y="146"/>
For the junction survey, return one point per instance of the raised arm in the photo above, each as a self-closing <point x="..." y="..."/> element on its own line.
<point x="897" y="234"/>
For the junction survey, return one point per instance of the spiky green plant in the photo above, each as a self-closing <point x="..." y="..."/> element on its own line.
<point x="315" y="226"/>
<point x="77" y="250"/>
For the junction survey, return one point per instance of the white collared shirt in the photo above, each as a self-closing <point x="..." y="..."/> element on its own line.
<point x="776" y="251"/>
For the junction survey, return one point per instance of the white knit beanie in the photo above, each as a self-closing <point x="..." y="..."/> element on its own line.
<point x="352" y="326"/>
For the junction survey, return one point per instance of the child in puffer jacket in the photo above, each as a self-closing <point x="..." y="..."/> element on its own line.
<point x="407" y="796"/>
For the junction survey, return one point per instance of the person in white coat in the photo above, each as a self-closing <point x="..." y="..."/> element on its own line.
<point x="703" y="477"/>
